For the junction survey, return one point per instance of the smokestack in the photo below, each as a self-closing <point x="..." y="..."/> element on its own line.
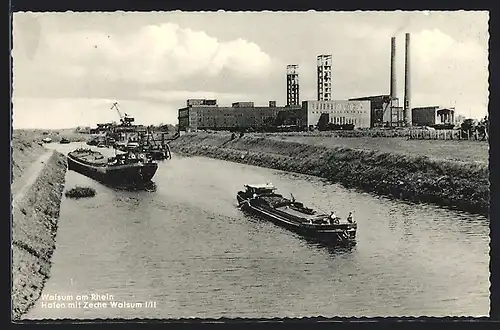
<point x="407" y="101"/>
<point x="393" y="68"/>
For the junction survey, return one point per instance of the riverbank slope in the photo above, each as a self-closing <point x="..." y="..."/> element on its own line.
<point x="38" y="176"/>
<point x="25" y="149"/>
<point x="458" y="185"/>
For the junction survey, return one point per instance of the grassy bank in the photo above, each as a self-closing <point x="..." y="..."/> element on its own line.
<point x="25" y="149"/>
<point x="457" y="150"/>
<point x="459" y="185"/>
<point x="34" y="227"/>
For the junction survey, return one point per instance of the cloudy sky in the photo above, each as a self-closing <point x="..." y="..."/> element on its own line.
<point x="69" y="67"/>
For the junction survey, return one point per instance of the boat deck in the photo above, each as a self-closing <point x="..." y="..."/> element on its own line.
<point x="90" y="157"/>
<point x="296" y="213"/>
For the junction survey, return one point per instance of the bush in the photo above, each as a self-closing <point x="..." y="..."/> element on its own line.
<point x="80" y="192"/>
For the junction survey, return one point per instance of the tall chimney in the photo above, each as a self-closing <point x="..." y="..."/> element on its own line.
<point x="407" y="101"/>
<point x="393" y="68"/>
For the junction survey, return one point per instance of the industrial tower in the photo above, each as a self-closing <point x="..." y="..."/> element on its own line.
<point x="324" y="77"/>
<point x="407" y="96"/>
<point x="292" y="85"/>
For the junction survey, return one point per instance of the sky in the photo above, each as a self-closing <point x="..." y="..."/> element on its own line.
<point x="69" y="68"/>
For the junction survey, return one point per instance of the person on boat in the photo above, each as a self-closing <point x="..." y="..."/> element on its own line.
<point x="349" y="218"/>
<point x="333" y="218"/>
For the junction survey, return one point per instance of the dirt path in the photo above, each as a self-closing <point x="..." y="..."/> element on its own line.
<point x="22" y="185"/>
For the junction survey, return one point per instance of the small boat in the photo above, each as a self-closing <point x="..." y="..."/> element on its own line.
<point x="132" y="145"/>
<point x="64" y="141"/>
<point x="158" y="152"/>
<point x="124" y="169"/>
<point x="93" y="142"/>
<point x="263" y="201"/>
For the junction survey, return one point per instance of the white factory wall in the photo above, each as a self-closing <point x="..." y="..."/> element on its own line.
<point x="340" y="112"/>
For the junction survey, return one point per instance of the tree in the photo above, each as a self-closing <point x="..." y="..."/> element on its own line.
<point x="483" y="128"/>
<point x="470" y="126"/>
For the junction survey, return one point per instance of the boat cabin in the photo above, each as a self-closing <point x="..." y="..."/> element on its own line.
<point x="128" y="158"/>
<point x="260" y="189"/>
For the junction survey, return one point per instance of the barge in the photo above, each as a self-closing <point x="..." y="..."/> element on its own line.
<point x="265" y="202"/>
<point x="158" y="152"/>
<point x="123" y="169"/>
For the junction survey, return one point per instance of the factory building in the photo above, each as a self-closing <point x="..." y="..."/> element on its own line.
<point x="433" y="115"/>
<point x="199" y="115"/>
<point x="384" y="111"/>
<point x="324" y="76"/>
<point x="243" y="115"/>
<point x="292" y="85"/>
<point x="339" y="112"/>
<point x="188" y="118"/>
<point x="291" y="118"/>
<point x="362" y="112"/>
<point x="380" y="108"/>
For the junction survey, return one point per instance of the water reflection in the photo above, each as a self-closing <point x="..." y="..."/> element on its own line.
<point x="187" y="246"/>
<point x="334" y="249"/>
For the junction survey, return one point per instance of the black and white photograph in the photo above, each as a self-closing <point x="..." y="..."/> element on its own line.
<point x="271" y="164"/>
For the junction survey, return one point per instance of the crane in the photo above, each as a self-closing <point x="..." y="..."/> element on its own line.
<point x="125" y="120"/>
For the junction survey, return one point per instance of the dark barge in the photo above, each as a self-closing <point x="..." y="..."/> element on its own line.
<point x="124" y="169"/>
<point x="263" y="201"/>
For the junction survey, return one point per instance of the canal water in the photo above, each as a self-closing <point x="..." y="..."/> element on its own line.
<point x="186" y="250"/>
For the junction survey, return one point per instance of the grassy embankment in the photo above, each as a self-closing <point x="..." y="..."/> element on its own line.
<point x="410" y="176"/>
<point x="458" y="150"/>
<point x="34" y="222"/>
<point x="25" y="150"/>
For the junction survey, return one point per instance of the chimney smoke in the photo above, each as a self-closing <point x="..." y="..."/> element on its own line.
<point x="407" y="96"/>
<point x="393" y="69"/>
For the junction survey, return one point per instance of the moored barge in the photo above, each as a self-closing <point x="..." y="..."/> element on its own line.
<point x="123" y="169"/>
<point x="265" y="202"/>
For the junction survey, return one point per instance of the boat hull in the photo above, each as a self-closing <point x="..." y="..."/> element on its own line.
<point x="131" y="174"/>
<point x="157" y="155"/>
<point x="336" y="234"/>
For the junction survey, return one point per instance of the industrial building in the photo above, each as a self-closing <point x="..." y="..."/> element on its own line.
<point x="337" y="112"/>
<point x="292" y="85"/>
<point x="433" y="115"/>
<point x="384" y="111"/>
<point x="206" y="114"/>
<point x="291" y="119"/>
<point x="202" y="114"/>
<point x="361" y="112"/>
<point x="324" y="76"/>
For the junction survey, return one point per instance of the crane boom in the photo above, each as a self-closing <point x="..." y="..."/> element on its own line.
<point x="115" y="105"/>
<point x="125" y="120"/>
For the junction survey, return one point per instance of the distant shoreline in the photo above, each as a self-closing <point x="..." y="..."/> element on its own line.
<point x="457" y="185"/>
